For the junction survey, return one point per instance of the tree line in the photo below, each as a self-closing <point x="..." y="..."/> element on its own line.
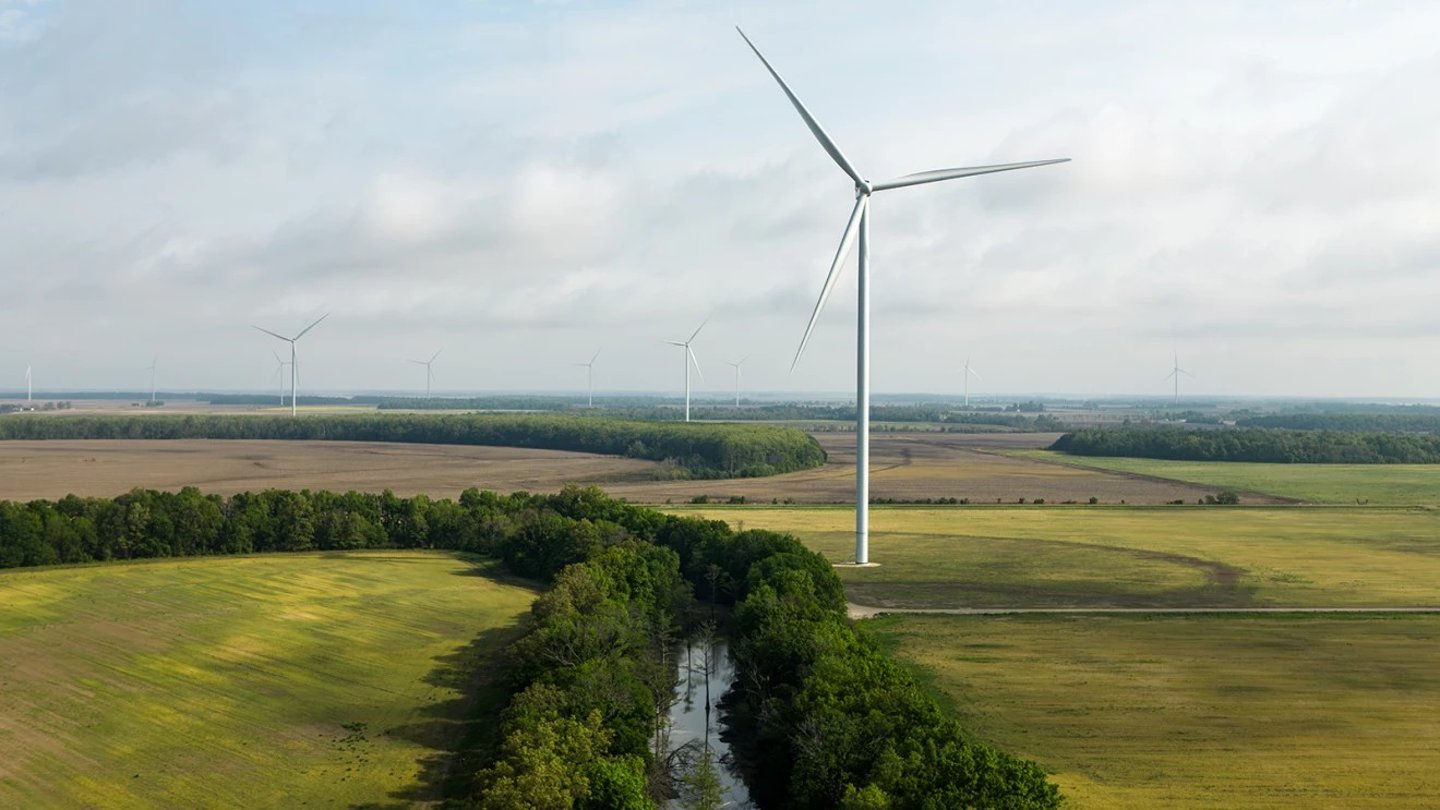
<point x="1422" y="422"/>
<point x="1255" y="444"/>
<point x="695" y="450"/>
<point x="823" y="716"/>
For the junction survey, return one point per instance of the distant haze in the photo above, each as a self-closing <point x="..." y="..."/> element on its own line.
<point x="1253" y="186"/>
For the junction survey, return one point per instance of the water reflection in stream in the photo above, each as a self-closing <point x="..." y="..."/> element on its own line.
<point x="695" y="719"/>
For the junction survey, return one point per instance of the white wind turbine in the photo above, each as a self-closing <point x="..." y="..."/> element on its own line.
<point x="1175" y="372"/>
<point x="29" y="385"/>
<point x="859" y="226"/>
<point x="690" y="358"/>
<point x="151" y="368"/>
<point x="737" y="376"/>
<point x="969" y="371"/>
<point x="590" y="379"/>
<point x="292" y="340"/>
<point x="429" y="371"/>
<point x="280" y="375"/>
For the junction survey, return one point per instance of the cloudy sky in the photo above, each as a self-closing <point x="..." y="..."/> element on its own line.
<point x="1254" y="186"/>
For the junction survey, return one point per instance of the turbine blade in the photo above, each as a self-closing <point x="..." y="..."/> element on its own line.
<point x="697" y="330"/>
<point x="691" y="353"/>
<point x="851" y="229"/>
<point x="271" y="334"/>
<point x="312" y="326"/>
<point x="972" y="371"/>
<point x="951" y="174"/>
<point x="593" y="359"/>
<point x="810" y="121"/>
<point x="435" y="355"/>
<point x="677" y="343"/>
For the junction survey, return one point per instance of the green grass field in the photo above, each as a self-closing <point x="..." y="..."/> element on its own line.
<point x="1189" y="556"/>
<point x="1379" y="484"/>
<point x="321" y="680"/>
<point x="1198" y="711"/>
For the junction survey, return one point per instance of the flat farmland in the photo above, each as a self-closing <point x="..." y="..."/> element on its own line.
<point x="267" y="681"/>
<point x="1380" y="484"/>
<point x="53" y="469"/>
<point x="1128" y="557"/>
<point x="912" y="466"/>
<point x="1200" y="711"/>
<point x="904" y="466"/>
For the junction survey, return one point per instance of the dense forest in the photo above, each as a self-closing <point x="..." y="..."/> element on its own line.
<point x="1415" y="422"/>
<point x="1255" y="444"/>
<point x="695" y="450"/>
<point x="823" y="715"/>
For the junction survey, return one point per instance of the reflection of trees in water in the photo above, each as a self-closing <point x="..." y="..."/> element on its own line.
<point x="695" y="766"/>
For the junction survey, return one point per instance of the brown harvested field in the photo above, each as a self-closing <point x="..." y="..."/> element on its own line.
<point x="52" y="469"/>
<point x="905" y="466"/>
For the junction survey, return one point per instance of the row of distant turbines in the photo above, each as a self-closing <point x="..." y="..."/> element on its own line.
<point x="967" y="371"/>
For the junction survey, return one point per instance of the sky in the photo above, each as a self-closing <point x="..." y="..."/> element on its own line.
<point x="1253" y="187"/>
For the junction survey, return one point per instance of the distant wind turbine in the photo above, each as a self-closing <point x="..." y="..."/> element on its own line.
<point x="737" y="377"/>
<point x="590" y="380"/>
<point x="969" y="371"/>
<point x="280" y="375"/>
<point x="29" y="385"/>
<point x="292" y="341"/>
<point x="1176" y="372"/>
<point x="429" y="371"/>
<point x="859" y="226"/>
<point x="151" y="368"/>
<point x="690" y="358"/>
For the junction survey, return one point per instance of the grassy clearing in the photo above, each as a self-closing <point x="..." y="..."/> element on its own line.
<point x="1124" y="556"/>
<point x="1379" y="484"/>
<point x="1198" y="711"/>
<point x="278" y="680"/>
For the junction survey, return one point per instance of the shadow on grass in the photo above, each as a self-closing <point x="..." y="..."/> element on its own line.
<point x="458" y="732"/>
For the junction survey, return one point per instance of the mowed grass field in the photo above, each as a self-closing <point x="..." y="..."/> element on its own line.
<point x="287" y="680"/>
<point x="1198" y="711"/>
<point x="1379" y="484"/>
<point x="1083" y="556"/>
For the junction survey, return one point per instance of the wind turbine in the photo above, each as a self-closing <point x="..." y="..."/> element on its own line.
<point x="1175" y="372"/>
<point x="590" y="380"/>
<point x="429" y="372"/>
<point x="859" y="226"/>
<point x="737" y="377"/>
<point x="292" y="340"/>
<point x="151" y="368"/>
<point x="690" y="358"/>
<point x="968" y="371"/>
<point x="279" y="374"/>
<point x="29" y="386"/>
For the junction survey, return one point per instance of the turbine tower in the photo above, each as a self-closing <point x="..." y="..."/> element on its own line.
<point x="429" y="372"/>
<point x="590" y="380"/>
<point x="737" y="377"/>
<point x="969" y="371"/>
<point x="29" y="385"/>
<point x="1175" y="372"/>
<point x="292" y="341"/>
<point x="151" y="368"/>
<point x="690" y="358"/>
<point x="859" y="226"/>
<point x="280" y="375"/>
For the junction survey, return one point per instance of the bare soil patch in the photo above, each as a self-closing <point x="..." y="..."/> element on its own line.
<point x="53" y="469"/>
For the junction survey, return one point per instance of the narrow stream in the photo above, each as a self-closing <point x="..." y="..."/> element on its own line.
<point x="695" y="720"/>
